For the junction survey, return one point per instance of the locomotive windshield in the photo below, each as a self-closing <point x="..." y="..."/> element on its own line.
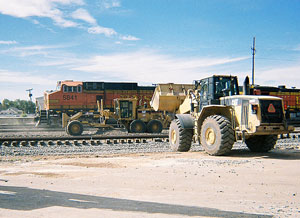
<point x="72" y="88"/>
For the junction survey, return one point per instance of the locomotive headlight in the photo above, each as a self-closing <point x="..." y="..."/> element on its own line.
<point x="254" y="108"/>
<point x="254" y="105"/>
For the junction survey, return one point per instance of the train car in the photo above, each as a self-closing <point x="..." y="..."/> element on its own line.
<point x="71" y="97"/>
<point x="290" y="96"/>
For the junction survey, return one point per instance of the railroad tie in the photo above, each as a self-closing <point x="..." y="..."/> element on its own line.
<point x="7" y="143"/>
<point x="42" y="143"/>
<point x="33" y="143"/>
<point x="59" y="142"/>
<point x="76" y="143"/>
<point x="68" y="143"/>
<point x="24" y="143"/>
<point x="85" y="142"/>
<point x="15" y="144"/>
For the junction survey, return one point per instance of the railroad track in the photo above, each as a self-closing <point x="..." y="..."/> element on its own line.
<point x="81" y="140"/>
<point x="32" y="128"/>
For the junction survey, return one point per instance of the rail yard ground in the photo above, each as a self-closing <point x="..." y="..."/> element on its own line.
<point x="147" y="180"/>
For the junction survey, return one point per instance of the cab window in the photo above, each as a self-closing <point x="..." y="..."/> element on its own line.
<point x="65" y="88"/>
<point x="68" y="89"/>
<point x="204" y="88"/>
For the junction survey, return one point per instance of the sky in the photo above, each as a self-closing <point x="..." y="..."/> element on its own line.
<point x="145" y="41"/>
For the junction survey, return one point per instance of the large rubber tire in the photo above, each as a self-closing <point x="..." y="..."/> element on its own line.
<point x="217" y="136"/>
<point x="180" y="139"/>
<point x="137" y="126"/>
<point x="74" y="128"/>
<point x="261" y="143"/>
<point x="154" y="126"/>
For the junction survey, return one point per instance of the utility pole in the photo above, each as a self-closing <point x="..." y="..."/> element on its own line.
<point x="30" y="95"/>
<point x="253" y="55"/>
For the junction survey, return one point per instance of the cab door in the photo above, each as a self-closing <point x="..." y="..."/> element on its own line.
<point x="126" y="109"/>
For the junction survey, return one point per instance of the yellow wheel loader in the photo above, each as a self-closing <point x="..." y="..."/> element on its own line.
<point x="214" y="114"/>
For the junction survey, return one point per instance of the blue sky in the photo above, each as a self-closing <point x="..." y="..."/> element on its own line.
<point x="145" y="41"/>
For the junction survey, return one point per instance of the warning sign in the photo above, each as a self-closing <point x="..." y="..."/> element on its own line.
<point x="271" y="108"/>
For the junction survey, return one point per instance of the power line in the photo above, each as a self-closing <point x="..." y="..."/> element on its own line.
<point x="277" y="59"/>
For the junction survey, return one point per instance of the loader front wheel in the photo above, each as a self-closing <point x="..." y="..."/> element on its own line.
<point x="74" y="128"/>
<point x="180" y="139"/>
<point x="261" y="143"/>
<point x="217" y="135"/>
<point x="137" y="126"/>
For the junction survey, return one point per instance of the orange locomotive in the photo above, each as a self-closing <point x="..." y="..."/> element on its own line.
<point x="71" y="97"/>
<point x="291" y="100"/>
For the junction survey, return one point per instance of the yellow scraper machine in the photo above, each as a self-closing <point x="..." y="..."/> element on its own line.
<point x="213" y="113"/>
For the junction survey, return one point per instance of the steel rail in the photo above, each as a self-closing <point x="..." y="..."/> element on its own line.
<point x="85" y="137"/>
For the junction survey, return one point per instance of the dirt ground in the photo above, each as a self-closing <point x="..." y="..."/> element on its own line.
<point x="190" y="184"/>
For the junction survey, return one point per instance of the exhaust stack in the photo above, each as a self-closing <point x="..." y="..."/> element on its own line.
<point x="246" y="86"/>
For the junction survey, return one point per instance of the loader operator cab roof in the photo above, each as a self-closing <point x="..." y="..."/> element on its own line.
<point x="212" y="88"/>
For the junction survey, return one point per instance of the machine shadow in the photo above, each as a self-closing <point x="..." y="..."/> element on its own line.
<point x="23" y="198"/>
<point x="274" y="154"/>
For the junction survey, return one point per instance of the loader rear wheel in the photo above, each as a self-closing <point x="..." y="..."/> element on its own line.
<point x="217" y="135"/>
<point x="74" y="128"/>
<point x="180" y="139"/>
<point x="261" y="143"/>
<point x="154" y="126"/>
<point x="137" y="126"/>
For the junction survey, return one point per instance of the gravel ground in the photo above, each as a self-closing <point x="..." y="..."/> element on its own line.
<point x="103" y="148"/>
<point x="146" y="180"/>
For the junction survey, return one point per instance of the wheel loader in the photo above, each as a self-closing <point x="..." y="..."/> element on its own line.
<point x="214" y="114"/>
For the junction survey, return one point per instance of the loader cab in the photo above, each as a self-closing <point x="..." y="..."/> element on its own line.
<point x="211" y="89"/>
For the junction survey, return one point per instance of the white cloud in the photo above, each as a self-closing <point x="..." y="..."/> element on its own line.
<point x="297" y="48"/>
<point x="84" y="15"/>
<point x="36" y="47"/>
<point x="61" y="16"/>
<point x="288" y="76"/>
<point x="14" y="84"/>
<point x="24" y="51"/>
<point x="38" y="8"/>
<point x="151" y="67"/>
<point x="107" y="4"/>
<point x="129" y="38"/>
<point x="27" y="78"/>
<point x="7" y="42"/>
<point x="68" y="2"/>
<point x="102" y="30"/>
